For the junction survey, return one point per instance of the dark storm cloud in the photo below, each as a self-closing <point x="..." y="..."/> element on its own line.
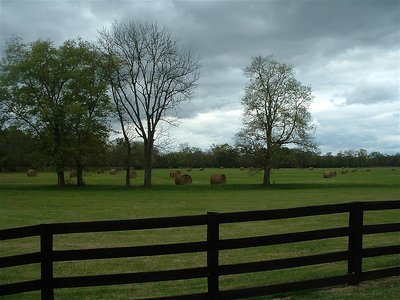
<point x="347" y="51"/>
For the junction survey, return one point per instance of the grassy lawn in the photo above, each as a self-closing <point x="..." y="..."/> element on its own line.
<point x="34" y="200"/>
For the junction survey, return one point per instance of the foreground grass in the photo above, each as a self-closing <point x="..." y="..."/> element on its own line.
<point x="29" y="201"/>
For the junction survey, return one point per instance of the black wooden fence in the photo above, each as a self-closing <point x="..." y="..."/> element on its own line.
<point x="212" y="246"/>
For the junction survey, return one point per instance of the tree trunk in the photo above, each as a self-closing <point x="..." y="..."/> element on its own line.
<point x="128" y="161"/>
<point x="60" y="176"/>
<point x="79" y="174"/>
<point x="267" y="168"/>
<point x="267" y="176"/>
<point x="148" y="163"/>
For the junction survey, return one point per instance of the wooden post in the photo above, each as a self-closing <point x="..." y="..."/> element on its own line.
<point x="354" y="268"/>
<point x="212" y="255"/>
<point x="46" y="263"/>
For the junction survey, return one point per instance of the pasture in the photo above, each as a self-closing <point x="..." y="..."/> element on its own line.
<point x="34" y="200"/>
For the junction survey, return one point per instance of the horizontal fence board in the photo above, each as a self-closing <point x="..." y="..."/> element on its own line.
<point x="379" y="251"/>
<point x="382" y="273"/>
<point x="152" y="250"/>
<point x="381" y="205"/>
<point x="282" y="288"/>
<point x="19" y="260"/>
<point x="19" y="287"/>
<point x="284" y="263"/>
<point x="46" y="231"/>
<point x="20" y="232"/>
<point x="126" y="278"/>
<point x="122" y="225"/>
<point x="264" y="215"/>
<point x="282" y="238"/>
<point x="381" y="228"/>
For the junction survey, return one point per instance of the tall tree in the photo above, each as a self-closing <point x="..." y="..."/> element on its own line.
<point x="275" y="111"/>
<point x="50" y="91"/>
<point x="150" y="76"/>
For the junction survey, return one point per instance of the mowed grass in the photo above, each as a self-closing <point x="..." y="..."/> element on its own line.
<point x="29" y="201"/>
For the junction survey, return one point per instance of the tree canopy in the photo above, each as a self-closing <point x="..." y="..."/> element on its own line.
<point x="150" y="76"/>
<point x="275" y="111"/>
<point x="57" y="94"/>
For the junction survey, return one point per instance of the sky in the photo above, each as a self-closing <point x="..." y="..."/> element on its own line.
<point x="348" y="52"/>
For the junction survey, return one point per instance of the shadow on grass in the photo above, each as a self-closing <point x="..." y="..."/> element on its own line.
<point x="197" y="188"/>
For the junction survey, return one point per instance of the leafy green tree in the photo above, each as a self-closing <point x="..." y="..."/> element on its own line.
<point x="225" y="155"/>
<point x="275" y="111"/>
<point x="56" y="95"/>
<point x="18" y="150"/>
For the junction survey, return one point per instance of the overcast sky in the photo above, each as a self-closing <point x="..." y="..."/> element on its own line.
<point x="347" y="51"/>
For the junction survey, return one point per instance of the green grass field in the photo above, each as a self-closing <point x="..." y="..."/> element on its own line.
<point x="35" y="200"/>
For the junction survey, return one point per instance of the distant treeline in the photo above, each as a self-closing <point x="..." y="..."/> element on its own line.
<point x="19" y="152"/>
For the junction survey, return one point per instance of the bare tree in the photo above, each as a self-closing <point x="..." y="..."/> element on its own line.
<point x="150" y="76"/>
<point x="275" y="112"/>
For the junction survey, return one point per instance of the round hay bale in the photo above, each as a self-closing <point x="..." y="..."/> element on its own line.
<point x="31" y="173"/>
<point x="100" y="171"/>
<point x="113" y="171"/>
<point x="72" y="173"/>
<point x="174" y="173"/>
<point x="184" y="179"/>
<point x="218" y="179"/>
<point x="329" y="174"/>
<point x="132" y="174"/>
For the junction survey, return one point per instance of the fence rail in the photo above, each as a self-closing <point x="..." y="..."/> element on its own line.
<point x="212" y="247"/>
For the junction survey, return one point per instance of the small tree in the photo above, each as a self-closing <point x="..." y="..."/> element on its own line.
<point x="275" y="112"/>
<point x="149" y="75"/>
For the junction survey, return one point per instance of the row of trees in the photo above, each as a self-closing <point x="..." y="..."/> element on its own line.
<point x="20" y="151"/>
<point x="64" y="98"/>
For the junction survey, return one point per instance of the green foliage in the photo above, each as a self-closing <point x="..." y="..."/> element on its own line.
<point x="275" y="112"/>
<point x="57" y="95"/>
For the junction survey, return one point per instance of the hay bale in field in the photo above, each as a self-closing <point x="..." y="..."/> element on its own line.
<point x="329" y="174"/>
<point x="218" y="179"/>
<point x="113" y="171"/>
<point x="132" y="174"/>
<point x="184" y="179"/>
<point x="174" y="173"/>
<point x="31" y="173"/>
<point x="344" y="171"/>
<point x="100" y="171"/>
<point x="72" y="174"/>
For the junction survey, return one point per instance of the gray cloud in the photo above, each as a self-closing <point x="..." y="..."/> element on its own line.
<point x="347" y="51"/>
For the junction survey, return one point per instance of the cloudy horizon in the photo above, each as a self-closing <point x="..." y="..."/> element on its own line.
<point x="348" y="52"/>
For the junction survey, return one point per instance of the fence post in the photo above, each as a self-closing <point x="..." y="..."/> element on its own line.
<point x="46" y="263"/>
<point x="354" y="268"/>
<point x="212" y="255"/>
